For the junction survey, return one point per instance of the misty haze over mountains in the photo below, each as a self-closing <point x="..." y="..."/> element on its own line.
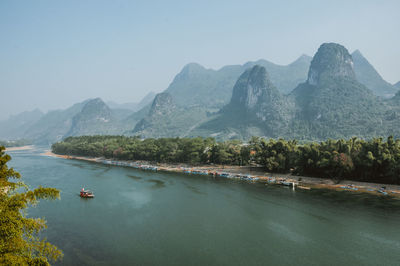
<point x="331" y="95"/>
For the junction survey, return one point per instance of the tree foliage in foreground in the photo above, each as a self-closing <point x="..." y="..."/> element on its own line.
<point x="20" y="243"/>
<point x="375" y="160"/>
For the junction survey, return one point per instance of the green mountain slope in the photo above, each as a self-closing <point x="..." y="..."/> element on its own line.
<point x="95" y="118"/>
<point x="256" y="108"/>
<point x="332" y="103"/>
<point x="392" y="116"/>
<point x="166" y="119"/>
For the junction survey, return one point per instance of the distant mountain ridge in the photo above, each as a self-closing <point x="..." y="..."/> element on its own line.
<point x="16" y="125"/>
<point x="331" y="103"/>
<point x="330" y="95"/>
<point x="196" y="85"/>
<point x="147" y="99"/>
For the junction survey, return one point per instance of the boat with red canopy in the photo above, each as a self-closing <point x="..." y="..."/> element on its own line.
<point x="86" y="193"/>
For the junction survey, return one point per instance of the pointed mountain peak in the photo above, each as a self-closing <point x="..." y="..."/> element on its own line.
<point x="332" y="60"/>
<point x="188" y="71"/>
<point x="302" y="59"/>
<point x="193" y="66"/>
<point x="357" y="53"/>
<point x="252" y="88"/>
<point x="95" y="100"/>
<point x="94" y="104"/>
<point x="95" y="108"/>
<point x="359" y="57"/>
<point x="369" y="76"/>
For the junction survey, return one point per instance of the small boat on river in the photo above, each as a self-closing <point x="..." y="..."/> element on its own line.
<point x="86" y="193"/>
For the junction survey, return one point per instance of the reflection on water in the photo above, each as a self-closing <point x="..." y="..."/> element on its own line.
<point x="135" y="177"/>
<point x="286" y="232"/>
<point x="193" y="189"/>
<point x="156" y="183"/>
<point x="150" y="218"/>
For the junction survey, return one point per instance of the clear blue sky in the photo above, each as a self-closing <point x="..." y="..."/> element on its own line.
<point x="56" y="53"/>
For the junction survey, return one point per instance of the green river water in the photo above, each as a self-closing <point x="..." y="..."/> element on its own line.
<point x="156" y="218"/>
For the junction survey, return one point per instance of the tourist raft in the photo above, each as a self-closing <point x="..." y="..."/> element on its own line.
<point x="86" y="193"/>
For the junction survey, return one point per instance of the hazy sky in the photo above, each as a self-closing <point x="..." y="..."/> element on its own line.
<point x="56" y="53"/>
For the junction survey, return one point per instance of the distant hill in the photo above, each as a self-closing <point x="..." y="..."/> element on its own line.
<point x="89" y="117"/>
<point x="367" y="75"/>
<point x="15" y="126"/>
<point x="52" y="126"/>
<point x="397" y="85"/>
<point x="95" y="118"/>
<point x="166" y="119"/>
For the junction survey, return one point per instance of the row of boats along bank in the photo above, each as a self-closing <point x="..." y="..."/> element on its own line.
<point x="186" y="170"/>
<point x="289" y="182"/>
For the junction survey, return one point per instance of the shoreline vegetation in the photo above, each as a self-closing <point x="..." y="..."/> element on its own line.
<point x="325" y="164"/>
<point x="247" y="173"/>
<point x="12" y="144"/>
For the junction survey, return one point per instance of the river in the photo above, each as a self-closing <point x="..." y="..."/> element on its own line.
<point x="156" y="218"/>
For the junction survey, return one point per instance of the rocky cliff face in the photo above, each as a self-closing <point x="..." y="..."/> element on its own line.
<point x="253" y="88"/>
<point x="162" y="107"/>
<point x="255" y="94"/>
<point x="256" y="107"/>
<point x="331" y="61"/>
<point x="163" y="104"/>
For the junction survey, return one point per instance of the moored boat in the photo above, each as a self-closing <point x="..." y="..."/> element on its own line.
<point x="86" y="193"/>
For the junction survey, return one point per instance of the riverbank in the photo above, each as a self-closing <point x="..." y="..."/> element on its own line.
<point x="252" y="174"/>
<point x="20" y="148"/>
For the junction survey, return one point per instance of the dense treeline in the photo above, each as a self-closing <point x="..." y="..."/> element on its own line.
<point x="15" y="143"/>
<point x="375" y="160"/>
<point x="168" y="150"/>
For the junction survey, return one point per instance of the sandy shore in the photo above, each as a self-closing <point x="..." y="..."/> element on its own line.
<point x="21" y="148"/>
<point x="255" y="173"/>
